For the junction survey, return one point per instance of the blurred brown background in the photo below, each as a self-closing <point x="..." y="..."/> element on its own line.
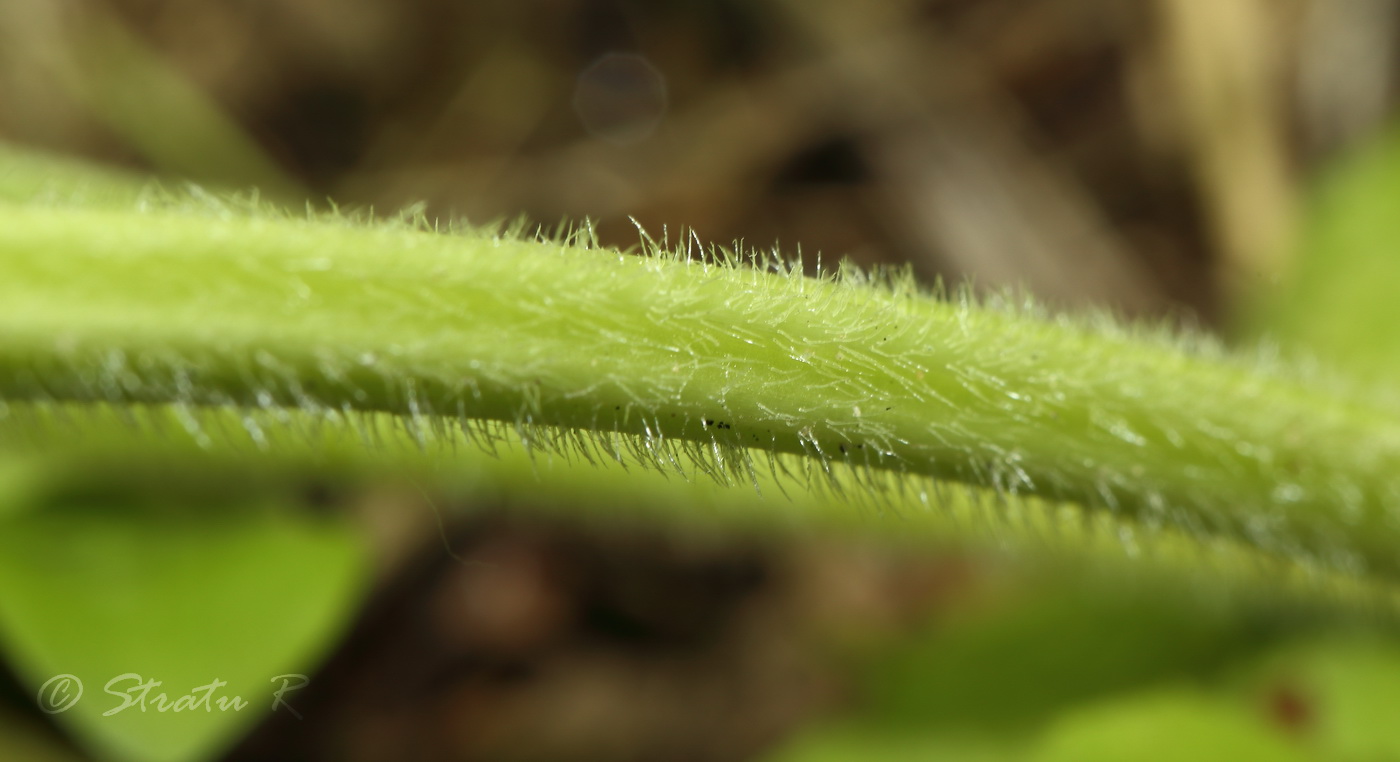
<point x="1144" y="155"/>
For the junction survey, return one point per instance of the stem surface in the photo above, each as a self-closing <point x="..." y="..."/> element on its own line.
<point x="201" y="308"/>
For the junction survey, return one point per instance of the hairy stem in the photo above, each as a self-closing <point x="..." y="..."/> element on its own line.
<point x="214" y="307"/>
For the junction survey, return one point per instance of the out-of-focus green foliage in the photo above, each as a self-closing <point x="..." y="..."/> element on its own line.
<point x="1165" y="724"/>
<point x="1329" y="698"/>
<point x="1340" y="304"/>
<point x="1335" y="695"/>
<point x="21" y="740"/>
<point x="181" y="594"/>
<point x="1052" y="646"/>
<point x="38" y="178"/>
<point x="846" y="742"/>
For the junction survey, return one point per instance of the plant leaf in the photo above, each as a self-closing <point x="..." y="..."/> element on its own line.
<point x="1340" y="305"/>
<point x="184" y="595"/>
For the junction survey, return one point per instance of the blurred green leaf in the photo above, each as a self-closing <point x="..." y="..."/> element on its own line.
<point x="28" y="175"/>
<point x="1339" y="695"/>
<point x="1166" y="724"/>
<point x="30" y="741"/>
<point x="1340" y="303"/>
<point x="1055" y="645"/>
<point x="173" y="123"/>
<point x="858" y="743"/>
<point x="183" y="595"/>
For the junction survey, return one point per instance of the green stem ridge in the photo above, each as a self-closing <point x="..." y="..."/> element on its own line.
<point x="700" y="360"/>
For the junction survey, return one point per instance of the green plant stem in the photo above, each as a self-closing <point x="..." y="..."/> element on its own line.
<point x="214" y="307"/>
